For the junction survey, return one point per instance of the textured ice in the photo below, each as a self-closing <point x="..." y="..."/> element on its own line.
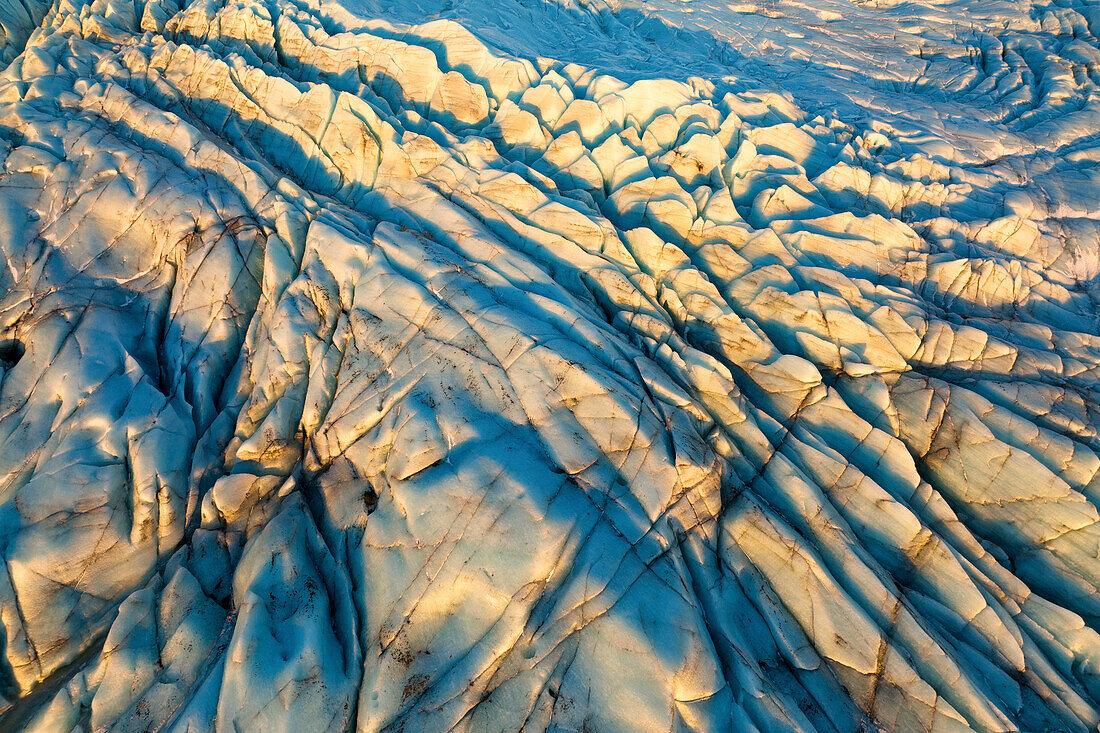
<point x="549" y="365"/>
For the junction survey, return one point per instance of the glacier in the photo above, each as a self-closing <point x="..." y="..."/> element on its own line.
<point x="549" y="365"/>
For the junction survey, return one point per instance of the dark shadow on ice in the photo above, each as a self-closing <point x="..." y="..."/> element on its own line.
<point x="11" y="351"/>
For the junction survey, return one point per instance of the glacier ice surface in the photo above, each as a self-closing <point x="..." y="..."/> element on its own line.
<point x="549" y="365"/>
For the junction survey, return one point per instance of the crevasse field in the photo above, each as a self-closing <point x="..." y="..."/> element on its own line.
<point x="428" y="365"/>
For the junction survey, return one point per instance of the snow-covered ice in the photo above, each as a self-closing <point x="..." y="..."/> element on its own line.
<point x="418" y="365"/>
